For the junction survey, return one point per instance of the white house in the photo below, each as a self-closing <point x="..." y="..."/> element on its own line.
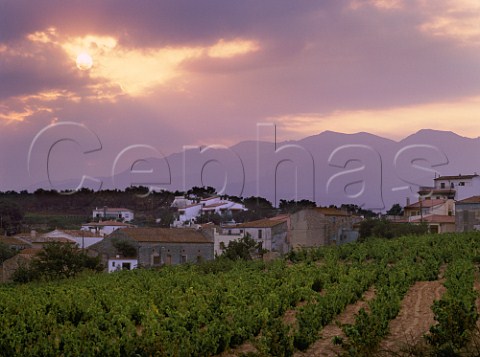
<point x="457" y="187"/>
<point x="123" y="214"/>
<point x="188" y="210"/>
<point x="105" y="227"/>
<point x="82" y="238"/>
<point x="222" y="237"/>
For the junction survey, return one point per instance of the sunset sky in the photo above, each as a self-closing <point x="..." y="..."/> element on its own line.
<point x="191" y="72"/>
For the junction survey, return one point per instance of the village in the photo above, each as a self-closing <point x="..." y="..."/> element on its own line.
<point x="451" y="204"/>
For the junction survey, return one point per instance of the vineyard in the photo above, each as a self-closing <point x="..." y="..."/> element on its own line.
<point x="280" y="308"/>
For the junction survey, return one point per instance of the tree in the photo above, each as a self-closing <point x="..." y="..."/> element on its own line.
<point x="396" y="210"/>
<point x="124" y="247"/>
<point x="11" y="217"/>
<point x="243" y="248"/>
<point x="293" y="206"/>
<point x="383" y="228"/>
<point x="203" y="192"/>
<point x="57" y="261"/>
<point x="5" y="252"/>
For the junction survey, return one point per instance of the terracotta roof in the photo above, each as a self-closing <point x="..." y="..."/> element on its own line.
<point x="108" y="209"/>
<point x="214" y="205"/>
<point x="458" y="177"/>
<point x="106" y="223"/>
<point x="64" y="233"/>
<point x="327" y="211"/>
<point x="53" y="240"/>
<point x="261" y="223"/>
<point x="13" y="241"/>
<point x="426" y="203"/>
<point x="473" y="199"/>
<point x="436" y="218"/>
<point x="164" y="235"/>
<point x="80" y="233"/>
<point x="30" y="251"/>
<point x="209" y="198"/>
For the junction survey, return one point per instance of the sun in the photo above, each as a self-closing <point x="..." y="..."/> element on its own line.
<point x="84" y="61"/>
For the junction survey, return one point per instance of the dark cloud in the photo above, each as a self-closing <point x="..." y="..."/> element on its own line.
<point x="314" y="57"/>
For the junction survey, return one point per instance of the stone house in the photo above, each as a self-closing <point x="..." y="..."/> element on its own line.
<point x="467" y="217"/>
<point x="320" y="226"/>
<point x="158" y="246"/>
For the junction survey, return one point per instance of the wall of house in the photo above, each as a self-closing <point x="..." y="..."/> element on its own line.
<point x="464" y="187"/>
<point x="310" y="228"/>
<point x="122" y="264"/>
<point x="157" y="254"/>
<point x="279" y="238"/>
<point x="467" y="217"/>
<point x="225" y="238"/>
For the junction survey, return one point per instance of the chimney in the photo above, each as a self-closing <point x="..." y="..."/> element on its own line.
<point x="408" y="201"/>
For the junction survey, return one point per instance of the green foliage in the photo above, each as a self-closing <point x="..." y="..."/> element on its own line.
<point x="383" y="228"/>
<point x="11" y="216"/>
<point x="395" y="210"/>
<point x="57" y="261"/>
<point x="244" y="248"/>
<point x="293" y="206"/>
<point x="5" y="252"/>
<point x="456" y="312"/>
<point x="124" y="247"/>
<point x="204" y="309"/>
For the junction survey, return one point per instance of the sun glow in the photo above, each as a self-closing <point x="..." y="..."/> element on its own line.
<point x="84" y="61"/>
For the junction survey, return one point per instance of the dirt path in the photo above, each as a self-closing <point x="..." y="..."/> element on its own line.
<point x="415" y="317"/>
<point x="324" y="346"/>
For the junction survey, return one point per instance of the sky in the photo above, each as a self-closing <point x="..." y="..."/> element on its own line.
<point x="162" y="75"/>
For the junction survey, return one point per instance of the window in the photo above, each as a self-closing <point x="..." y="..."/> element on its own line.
<point x="183" y="259"/>
<point x="461" y="183"/>
<point x="169" y="259"/>
<point x="126" y="266"/>
<point x="452" y="185"/>
<point x="260" y="234"/>
<point x="442" y="185"/>
<point x="156" y="260"/>
<point x="113" y="264"/>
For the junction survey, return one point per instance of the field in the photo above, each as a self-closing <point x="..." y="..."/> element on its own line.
<point x="375" y="298"/>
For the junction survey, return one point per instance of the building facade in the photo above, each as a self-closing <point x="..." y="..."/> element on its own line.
<point x="122" y="214"/>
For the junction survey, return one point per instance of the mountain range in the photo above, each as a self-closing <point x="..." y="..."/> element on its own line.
<point x="329" y="168"/>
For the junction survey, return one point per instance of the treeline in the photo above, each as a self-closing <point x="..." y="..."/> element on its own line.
<point x="50" y="209"/>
